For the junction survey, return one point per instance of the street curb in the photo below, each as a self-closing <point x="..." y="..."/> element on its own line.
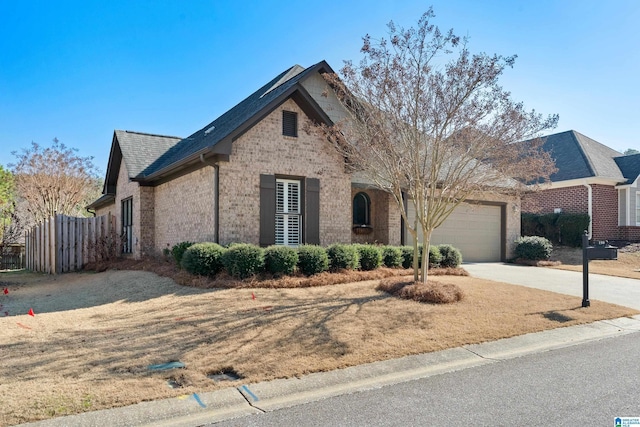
<point x="247" y="399"/>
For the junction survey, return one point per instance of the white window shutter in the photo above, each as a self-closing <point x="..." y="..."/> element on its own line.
<point x="288" y="215"/>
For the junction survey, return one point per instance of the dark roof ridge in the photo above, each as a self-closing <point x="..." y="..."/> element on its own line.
<point x="583" y="151"/>
<point x="627" y="155"/>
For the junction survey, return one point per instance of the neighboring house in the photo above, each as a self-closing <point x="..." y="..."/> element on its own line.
<point x="594" y="179"/>
<point x="254" y="175"/>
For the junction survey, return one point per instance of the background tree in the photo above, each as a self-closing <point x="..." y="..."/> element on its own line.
<point x="629" y="151"/>
<point x="428" y="122"/>
<point x="54" y="180"/>
<point x="10" y="230"/>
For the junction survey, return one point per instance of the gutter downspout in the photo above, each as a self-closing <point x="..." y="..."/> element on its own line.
<point x="216" y="197"/>
<point x="92" y="212"/>
<point x="590" y="209"/>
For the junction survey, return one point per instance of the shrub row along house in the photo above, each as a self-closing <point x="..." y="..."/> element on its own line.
<point x="253" y="175"/>
<point x="594" y="179"/>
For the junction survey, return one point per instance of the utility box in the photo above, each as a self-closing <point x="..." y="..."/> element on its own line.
<point x="602" y="250"/>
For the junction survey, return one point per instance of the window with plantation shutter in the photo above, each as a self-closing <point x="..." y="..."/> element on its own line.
<point x="289" y="123"/>
<point x="288" y="213"/>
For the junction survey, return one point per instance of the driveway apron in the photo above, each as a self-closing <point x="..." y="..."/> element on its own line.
<point x="616" y="290"/>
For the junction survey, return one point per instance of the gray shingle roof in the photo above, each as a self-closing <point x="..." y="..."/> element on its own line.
<point x="630" y="166"/>
<point x="140" y="150"/>
<point x="229" y="122"/>
<point x="578" y="156"/>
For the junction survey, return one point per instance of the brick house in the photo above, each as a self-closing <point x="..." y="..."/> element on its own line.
<point x="253" y="175"/>
<point x="594" y="179"/>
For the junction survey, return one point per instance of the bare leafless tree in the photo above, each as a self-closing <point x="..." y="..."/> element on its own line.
<point x="428" y="122"/>
<point x="54" y="180"/>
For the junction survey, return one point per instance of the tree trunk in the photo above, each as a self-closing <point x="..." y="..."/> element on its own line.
<point x="425" y="256"/>
<point x="415" y="251"/>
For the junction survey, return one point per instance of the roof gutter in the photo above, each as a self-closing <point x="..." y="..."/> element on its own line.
<point x="176" y="166"/>
<point x="590" y="209"/>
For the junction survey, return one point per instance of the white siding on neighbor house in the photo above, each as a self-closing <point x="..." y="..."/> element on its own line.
<point x="636" y="211"/>
<point x="631" y="206"/>
<point x="622" y="207"/>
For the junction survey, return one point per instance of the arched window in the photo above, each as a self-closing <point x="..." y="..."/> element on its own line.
<point x="361" y="209"/>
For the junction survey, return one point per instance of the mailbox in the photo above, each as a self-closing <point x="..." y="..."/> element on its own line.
<point x="602" y="250"/>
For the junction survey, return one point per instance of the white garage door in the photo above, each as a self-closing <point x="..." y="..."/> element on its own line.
<point x="474" y="229"/>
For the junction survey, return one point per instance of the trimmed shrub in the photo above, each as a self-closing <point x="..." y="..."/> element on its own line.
<point x="342" y="257"/>
<point x="451" y="257"/>
<point x="533" y="248"/>
<point x="178" y="250"/>
<point x="312" y="259"/>
<point x="434" y="257"/>
<point x="407" y="256"/>
<point x="370" y="257"/>
<point x="204" y="259"/>
<point x="280" y="259"/>
<point x="243" y="260"/>
<point x="392" y="256"/>
<point x="572" y="227"/>
<point x="562" y="228"/>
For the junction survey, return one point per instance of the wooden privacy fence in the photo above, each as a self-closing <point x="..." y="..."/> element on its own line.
<point x="65" y="243"/>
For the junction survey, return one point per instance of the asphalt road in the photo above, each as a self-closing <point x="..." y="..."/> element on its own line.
<point x="583" y="385"/>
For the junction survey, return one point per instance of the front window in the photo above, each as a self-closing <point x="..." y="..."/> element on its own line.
<point x="361" y="209"/>
<point x="127" y="226"/>
<point x="288" y="214"/>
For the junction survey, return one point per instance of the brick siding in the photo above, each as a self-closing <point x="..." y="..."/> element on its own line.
<point x="264" y="150"/>
<point x="185" y="209"/>
<point x="570" y="200"/>
<point x="629" y="233"/>
<point x="576" y="200"/>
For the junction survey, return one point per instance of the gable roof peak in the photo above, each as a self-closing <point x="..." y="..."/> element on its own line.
<point x="292" y="72"/>
<point x="578" y="156"/>
<point x="146" y="134"/>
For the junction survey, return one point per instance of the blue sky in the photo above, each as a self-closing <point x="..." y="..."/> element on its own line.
<point x="77" y="70"/>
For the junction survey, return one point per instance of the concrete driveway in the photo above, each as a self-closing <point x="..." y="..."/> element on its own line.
<point x="616" y="290"/>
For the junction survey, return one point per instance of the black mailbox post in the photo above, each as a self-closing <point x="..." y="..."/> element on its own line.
<point x="600" y="250"/>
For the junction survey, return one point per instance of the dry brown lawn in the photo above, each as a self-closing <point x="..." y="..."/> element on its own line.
<point x="627" y="264"/>
<point x="93" y="335"/>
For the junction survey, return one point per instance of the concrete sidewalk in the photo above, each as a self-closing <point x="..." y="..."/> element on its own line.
<point x="245" y="399"/>
<point x="616" y="290"/>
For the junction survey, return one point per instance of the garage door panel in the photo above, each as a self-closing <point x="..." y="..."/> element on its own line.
<point x="474" y="229"/>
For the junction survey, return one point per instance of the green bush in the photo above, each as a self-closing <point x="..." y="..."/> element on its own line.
<point x="451" y="257"/>
<point x="342" y="257"/>
<point x="562" y="228"/>
<point x="434" y="256"/>
<point x="392" y="256"/>
<point x="407" y="256"/>
<point x="243" y="260"/>
<point x="572" y="227"/>
<point x="204" y="259"/>
<point x="280" y="259"/>
<point x="370" y="257"/>
<point x="533" y="248"/>
<point x="177" y="251"/>
<point x="312" y="259"/>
